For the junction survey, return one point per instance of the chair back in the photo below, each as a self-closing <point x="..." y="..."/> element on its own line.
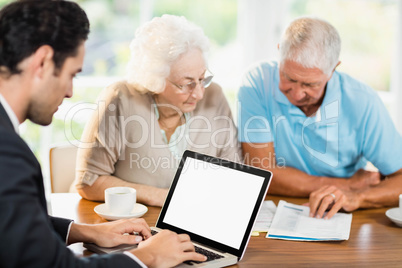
<point x="62" y="167"/>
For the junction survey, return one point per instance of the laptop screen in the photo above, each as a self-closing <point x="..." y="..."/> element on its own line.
<point x="215" y="199"/>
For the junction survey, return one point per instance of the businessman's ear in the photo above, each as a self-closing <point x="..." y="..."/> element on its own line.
<point x="42" y="61"/>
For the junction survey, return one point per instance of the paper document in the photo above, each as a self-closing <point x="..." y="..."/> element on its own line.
<point x="292" y="222"/>
<point x="265" y="216"/>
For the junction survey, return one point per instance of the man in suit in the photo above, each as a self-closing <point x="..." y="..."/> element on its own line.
<point x="41" y="50"/>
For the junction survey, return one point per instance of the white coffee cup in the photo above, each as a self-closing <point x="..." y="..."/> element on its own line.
<point x="400" y="205"/>
<point x="120" y="200"/>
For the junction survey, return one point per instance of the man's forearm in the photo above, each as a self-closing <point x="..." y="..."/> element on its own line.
<point x="286" y="180"/>
<point x="292" y="182"/>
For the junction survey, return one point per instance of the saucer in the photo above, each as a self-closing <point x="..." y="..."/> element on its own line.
<point x="394" y="215"/>
<point x="138" y="211"/>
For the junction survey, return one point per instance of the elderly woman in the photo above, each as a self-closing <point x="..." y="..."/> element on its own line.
<point x="166" y="105"/>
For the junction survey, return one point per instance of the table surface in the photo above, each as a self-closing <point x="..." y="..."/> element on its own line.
<point x="374" y="240"/>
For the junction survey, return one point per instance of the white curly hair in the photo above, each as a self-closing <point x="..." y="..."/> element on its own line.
<point x="157" y="45"/>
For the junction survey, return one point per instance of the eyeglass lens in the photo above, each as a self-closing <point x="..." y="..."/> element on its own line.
<point x="204" y="83"/>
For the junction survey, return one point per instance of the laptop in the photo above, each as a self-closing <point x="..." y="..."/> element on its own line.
<point x="215" y="202"/>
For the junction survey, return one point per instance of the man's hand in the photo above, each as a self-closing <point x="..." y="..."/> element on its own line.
<point x="167" y="249"/>
<point x="333" y="199"/>
<point x="363" y="179"/>
<point x="110" y="234"/>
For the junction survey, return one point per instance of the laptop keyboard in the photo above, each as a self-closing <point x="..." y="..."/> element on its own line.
<point x="209" y="254"/>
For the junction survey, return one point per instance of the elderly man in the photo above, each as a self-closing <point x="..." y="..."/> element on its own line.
<point x="317" y="128"/>
<point x="41" y="50"/>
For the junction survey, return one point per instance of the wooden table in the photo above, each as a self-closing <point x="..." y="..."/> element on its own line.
<point x="374" y="240"/>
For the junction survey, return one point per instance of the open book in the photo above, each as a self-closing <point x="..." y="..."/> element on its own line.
<point x="292" y="222"/>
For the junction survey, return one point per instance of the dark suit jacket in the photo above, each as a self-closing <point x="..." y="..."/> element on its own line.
<point x="28" y="236"/>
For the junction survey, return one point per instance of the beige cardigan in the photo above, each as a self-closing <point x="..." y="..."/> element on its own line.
<point x="123" y="137"/>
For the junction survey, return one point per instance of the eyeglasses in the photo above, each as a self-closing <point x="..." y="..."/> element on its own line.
<point x="190" y="87"/>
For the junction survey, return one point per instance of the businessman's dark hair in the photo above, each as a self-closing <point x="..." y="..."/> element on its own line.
<point x="26" y="25"/>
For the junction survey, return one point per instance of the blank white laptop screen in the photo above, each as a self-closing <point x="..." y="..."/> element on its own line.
<point x="210" y="201"/>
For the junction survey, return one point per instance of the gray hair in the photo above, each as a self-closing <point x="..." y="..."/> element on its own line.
<point x="311" y="42"/>
<point x="157" y="45"/>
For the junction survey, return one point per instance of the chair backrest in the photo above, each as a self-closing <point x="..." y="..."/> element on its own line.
<point x="62" y="167"/>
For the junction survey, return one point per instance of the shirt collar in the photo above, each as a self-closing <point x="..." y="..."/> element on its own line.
<point x="333" y="91"/>
<point x="10" y="113"/>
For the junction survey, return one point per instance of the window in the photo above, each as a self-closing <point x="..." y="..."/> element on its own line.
<point x="368" y="34"/>
<point x="241" y="32"/>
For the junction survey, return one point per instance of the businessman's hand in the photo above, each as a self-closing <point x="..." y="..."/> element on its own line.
<point x="167" y="249"/>
<point x="110" y="234"/>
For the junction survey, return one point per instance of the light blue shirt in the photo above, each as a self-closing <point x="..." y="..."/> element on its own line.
<point x="351" y="127"/>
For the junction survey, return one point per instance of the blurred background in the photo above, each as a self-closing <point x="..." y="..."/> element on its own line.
<point x="241" y="32"/>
